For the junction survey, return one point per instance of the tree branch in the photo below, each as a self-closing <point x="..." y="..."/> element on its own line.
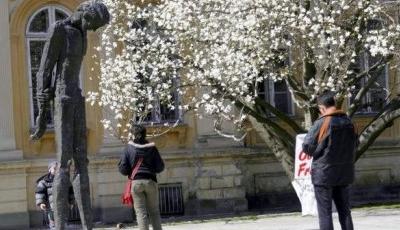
<point x="379" y="64"/>
<point x="257" y="114"/>
<point x="273" y="126"/>
<point x="277" y="146"/>
<point x="381" y="122"/>
<point x="297" y="89"/>
<point x="357" y="100"/>
<point x="280" y="115"/>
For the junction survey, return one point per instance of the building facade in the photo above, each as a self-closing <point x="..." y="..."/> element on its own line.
<point x="204" y="173"/>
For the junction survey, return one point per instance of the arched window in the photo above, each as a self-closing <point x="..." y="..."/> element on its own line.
<point x="36" y="33"/>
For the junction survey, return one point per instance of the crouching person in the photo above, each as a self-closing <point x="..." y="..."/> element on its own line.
<point x="44" y="193"/>
<point x="144" y="156"/>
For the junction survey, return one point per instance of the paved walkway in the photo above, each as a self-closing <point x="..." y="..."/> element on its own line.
<point x="364" y="219"/>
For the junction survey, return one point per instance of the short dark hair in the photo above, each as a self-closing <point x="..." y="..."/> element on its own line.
<point x="139" y="133"/>
<point x="327" y="99"/>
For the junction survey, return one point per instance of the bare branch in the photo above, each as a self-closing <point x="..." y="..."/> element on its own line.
<point x="218" y="130"/>
<point x="159" y="129"/>
<point x="381" y="122"/>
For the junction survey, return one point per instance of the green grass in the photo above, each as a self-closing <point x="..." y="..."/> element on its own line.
<point x="378" y="206"/>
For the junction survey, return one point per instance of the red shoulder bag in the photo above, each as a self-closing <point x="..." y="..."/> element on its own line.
<point x="126" y="197"/>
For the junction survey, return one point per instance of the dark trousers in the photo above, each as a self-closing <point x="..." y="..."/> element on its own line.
<point x="340" y="195"/>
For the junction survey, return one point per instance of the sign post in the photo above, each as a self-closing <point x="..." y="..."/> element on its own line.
<point x="302" y="183"/>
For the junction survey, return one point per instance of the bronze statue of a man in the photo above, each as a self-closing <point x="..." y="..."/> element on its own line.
<point x="65" y="49"/>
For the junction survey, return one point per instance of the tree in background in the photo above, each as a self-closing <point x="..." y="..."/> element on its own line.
<point x="219" y="55"/>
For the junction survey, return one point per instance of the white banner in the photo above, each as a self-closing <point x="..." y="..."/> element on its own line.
<point x="302" y="179"/>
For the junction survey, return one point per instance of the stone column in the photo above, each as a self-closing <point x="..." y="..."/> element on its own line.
<point x="7" y="137"/>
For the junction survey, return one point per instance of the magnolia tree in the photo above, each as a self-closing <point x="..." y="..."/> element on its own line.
<point x="217" y="53"/>
<point x="139" y="68"/>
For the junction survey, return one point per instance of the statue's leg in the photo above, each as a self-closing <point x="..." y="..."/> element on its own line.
<point x="81" y="179"/>
<point x="64" y="131"/>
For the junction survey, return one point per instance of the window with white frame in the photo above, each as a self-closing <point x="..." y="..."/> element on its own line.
<point x="36" y="34"/>
<point x="277" y="94"/>
<point x="376" y="96"/>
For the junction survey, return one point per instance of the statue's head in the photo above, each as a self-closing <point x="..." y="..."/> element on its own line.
<point x="93" y="14"/>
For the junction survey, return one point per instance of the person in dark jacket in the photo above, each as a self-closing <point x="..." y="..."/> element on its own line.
<point x="44" y="193"/>
<point x="332" y="142"/>
<point x="144" y="185"/>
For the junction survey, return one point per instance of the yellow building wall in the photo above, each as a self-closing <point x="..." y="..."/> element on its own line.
<point x="46" y="147"/>
<point x="200" y="172"/>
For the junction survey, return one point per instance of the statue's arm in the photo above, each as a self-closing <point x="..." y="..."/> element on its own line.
<point x="50" y="57"/>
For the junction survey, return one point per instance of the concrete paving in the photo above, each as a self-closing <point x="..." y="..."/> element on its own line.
<point x="364" y="219"/>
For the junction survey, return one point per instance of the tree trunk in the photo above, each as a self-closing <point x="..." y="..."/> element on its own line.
<point x="282" y="153"/>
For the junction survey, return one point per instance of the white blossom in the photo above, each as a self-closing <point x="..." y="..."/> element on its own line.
<point x="221" y="50"/>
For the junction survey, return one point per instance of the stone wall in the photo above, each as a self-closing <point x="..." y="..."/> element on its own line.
<point x="378" y="176"/>
<point x="13" y="197"/>
<point x="229" y="180"/>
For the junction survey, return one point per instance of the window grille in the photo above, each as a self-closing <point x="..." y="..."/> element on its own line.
<point x="171" y="199"/>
